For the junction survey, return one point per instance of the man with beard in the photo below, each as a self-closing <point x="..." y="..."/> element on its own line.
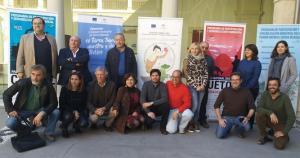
<point x="154" y="99"/>
<point x="36" y="100"/>
<point x="275" y="111"/>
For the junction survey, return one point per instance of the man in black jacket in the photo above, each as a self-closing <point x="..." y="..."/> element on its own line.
<point x="36" y="100"/>
<point x="120" y="60"/>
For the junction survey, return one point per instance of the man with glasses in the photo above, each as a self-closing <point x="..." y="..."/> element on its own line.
<point x="238" y="108"/>
<point x="180" y="103"/>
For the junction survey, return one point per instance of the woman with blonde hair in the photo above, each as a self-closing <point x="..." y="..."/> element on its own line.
<point x="196" y="74"/>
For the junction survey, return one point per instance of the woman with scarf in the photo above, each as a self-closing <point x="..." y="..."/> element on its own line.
<point x="196" y="74"/>
<point x="283" y="66"/>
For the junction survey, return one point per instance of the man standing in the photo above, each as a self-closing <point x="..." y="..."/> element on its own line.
<point x="180" y="103"/>
<point x="73" y="59"/>
<point x="120" y="60"/>
<point x="238" y="108"/>
<point x="210" y="68"/>
<point x="36" y="99"/>
<point x="275" y="111"/>
<point x="102" y="94"/>
<point x="154" y="99"/>
<point x="37" y="48"/>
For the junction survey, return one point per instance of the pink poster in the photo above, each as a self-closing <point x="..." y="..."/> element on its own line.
<point x="226" y="42"/>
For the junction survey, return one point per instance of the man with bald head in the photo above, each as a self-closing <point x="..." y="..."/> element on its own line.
<point x="73" y="59"/>
<point x="210" y="67"/>
<point x="180" y="103"/>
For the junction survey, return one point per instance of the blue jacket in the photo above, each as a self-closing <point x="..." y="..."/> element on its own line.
<point x="250" y="72"/>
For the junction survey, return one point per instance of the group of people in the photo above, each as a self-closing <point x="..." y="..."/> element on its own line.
<point x="113" y="101"/>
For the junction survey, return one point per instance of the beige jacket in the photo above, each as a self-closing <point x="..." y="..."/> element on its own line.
<point x="26" y="54"/>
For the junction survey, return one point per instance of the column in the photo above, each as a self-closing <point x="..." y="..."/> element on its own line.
<point x="57" y="6"/>
<point x="169" y="8"/>
<point x="284" y="11"/>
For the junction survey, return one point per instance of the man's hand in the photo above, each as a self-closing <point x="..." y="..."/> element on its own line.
<point x="222" y="123"/>
<point x="274" y="118"/>
<point x="13" y="114"/>
<point x="114" y="112"/>
<point x="38" y="119"/>
<point x="175" y="115"/>
<point x="100" y="111"/>
<point x="147" y="104"/>
<point x="151" y="115"/>
<point x="245" y="121"/>
<point x="77" y="115"/>
<point x="200" y="88"/>
<point x="135" y="114"/>
<point x="20" y="75"/>
<point x="278" y="134"/>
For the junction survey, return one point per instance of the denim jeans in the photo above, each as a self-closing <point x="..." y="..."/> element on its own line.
<point x="197" y="97"/>
<point x="230" y="122"/>
<point x="13" y="124"/>
<point x="183" y="121"/>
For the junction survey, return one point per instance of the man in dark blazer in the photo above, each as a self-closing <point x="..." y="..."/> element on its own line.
<point x="120" y="60"/>
<point x="73" y="59"/>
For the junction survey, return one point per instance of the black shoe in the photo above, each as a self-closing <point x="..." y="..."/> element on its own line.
<point x="242" y="135"/>
<point x="107" y="129"/>
<point x="94" y="126"/>
<point x="77" y="128"/>
<point x="204" y="124"/>
<point x="65" y="133"/>
<point x="50" y="137"/>
<point x="263" y="140"/>
<point x="163" y="131"/>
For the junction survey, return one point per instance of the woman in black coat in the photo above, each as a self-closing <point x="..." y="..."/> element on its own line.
<point x="72" y="104"/>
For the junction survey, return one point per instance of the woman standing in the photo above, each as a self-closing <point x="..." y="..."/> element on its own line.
<point x="250" y="69"/>
<point x="283" y="66"/>
<point x="129" y="105"/>
<point x="72" y="104"/>
<point x="196" y="74"/>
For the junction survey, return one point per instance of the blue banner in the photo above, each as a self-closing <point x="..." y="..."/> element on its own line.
<point x="20" y="24"/>
<point x="97" y="35"/>
<point x="267" y="37"/>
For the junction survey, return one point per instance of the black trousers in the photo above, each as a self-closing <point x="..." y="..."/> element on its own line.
<point x="202" y="113"/>
<point x="68" y="117"/>
<point x="159" y="110"/>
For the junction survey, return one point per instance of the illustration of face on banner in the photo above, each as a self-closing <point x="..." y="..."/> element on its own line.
<point x="159" y="46"/>
<point x="20" y="24"/>
<point x="159" y="56"/>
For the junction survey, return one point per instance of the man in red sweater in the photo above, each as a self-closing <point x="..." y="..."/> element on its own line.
<point x="180" y="103"/>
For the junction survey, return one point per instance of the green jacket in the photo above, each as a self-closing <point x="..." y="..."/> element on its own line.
<point x="281" y="106"/>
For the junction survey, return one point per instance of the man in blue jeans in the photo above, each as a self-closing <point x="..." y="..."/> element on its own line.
<point x="238" y="108"/>
<point x="36" y="100"/>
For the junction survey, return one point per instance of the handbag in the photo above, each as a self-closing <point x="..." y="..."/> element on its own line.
<point x="26" y="139"/>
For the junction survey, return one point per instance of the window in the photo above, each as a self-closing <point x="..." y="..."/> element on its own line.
<point x="85" y="4"/>
<point x="25" y="3"/>
<point x="136" y="4"/>
<point x="115" y="4"/>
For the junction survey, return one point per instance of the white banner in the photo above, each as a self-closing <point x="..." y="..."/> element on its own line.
<point x="158" y="46"/>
